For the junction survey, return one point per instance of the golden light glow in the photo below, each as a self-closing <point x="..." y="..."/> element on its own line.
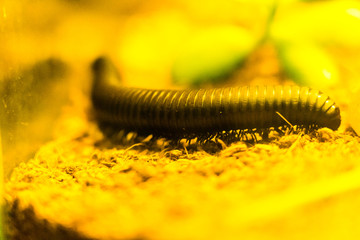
<point x="354" y="12"/>
<point x="294" y="184"/>
<point x="326" y="73"/>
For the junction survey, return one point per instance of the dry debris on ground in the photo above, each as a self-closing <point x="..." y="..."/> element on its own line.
<point x="296" y="186"/>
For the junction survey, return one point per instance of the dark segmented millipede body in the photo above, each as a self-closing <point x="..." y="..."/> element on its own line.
<point x="183" y="113"/>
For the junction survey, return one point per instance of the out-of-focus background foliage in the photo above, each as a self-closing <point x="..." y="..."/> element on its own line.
<point x="187" y="41"/>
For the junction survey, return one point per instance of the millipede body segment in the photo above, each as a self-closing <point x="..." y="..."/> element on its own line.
<point x="191" y="112"/>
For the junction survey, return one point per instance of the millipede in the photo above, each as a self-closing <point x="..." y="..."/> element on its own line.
<point x="190" y="113"/>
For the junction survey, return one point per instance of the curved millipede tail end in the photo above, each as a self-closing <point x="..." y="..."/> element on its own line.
<point x="105" y="73"/>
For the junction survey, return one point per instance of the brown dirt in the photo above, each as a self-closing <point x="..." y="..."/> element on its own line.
<point x="296" y="186"/>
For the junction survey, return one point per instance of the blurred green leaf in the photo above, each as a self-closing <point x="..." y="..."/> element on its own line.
<point x="212" y="55"/>
<point x="308" y="65"/>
